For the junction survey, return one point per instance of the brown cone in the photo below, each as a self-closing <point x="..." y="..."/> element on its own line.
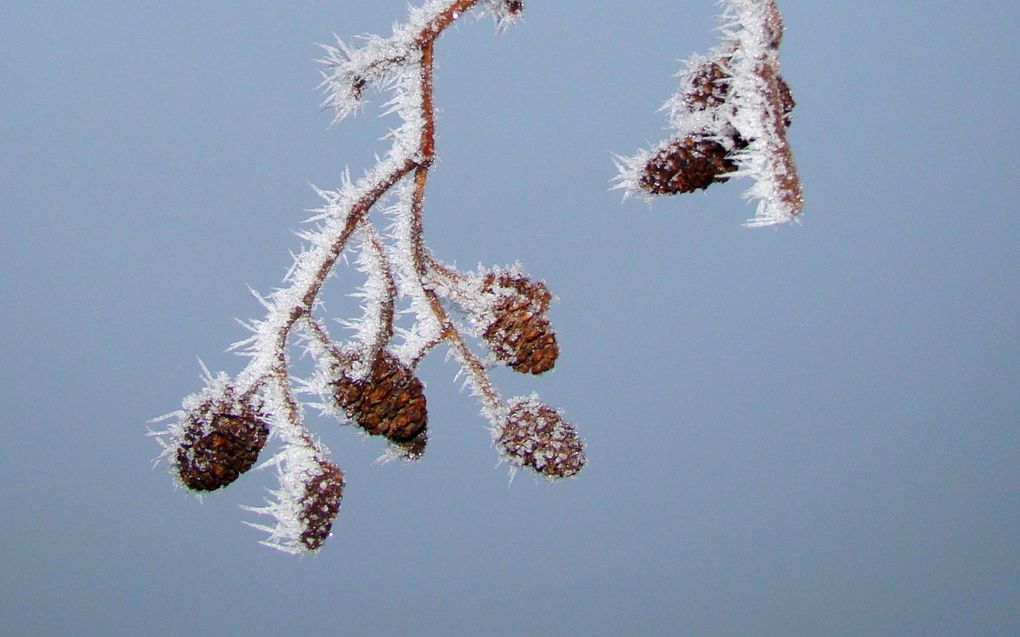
<point x="685" y="166"/>
<point x="390" y="402"/>
<point x="213" y="456"/>
<point x="520" y="334"/>
<point x="536" y="436"/>
<point x="708" y="87"/>
<point x="321" y="504"/>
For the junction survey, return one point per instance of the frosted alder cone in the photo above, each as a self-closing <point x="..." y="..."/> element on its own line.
<point x="519" y="333"/>
<point x="535" y="436"/>
<point x="693" y="163"/>
<point x="320" y="504"/>
<point x="389" y="402"/>
<point x="699" y="160"/>
<point x="217" y="445"/>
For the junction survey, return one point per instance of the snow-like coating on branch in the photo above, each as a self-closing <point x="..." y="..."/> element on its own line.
<point x="755" y="28"/>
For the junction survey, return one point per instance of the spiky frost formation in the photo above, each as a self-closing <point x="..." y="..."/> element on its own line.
<point x="506" y="12"/>
<point x="216" y="438"/>
<point x="389" y="402"/>
<point x="535" y="435"/>
<point x="730" y="116"/>
<point x="378" y="63"/>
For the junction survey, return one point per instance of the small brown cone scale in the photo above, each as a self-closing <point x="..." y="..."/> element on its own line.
<point x="390" y="402"/>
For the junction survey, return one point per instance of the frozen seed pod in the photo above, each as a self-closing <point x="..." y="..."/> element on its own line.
<point x="686" y="165"/>
<point x="535" y="435"/>
<point x="390" y="402"/>
<point x="216" y="446"/>
<point x="706" y="86"/>
<point x="320" y="504"/>
<point x="519" y="333"/>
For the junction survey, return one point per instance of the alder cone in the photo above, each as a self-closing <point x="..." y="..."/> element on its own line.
<point x="321" y="504"/>
<point x="708" y="85"/>
<point x="212" y="456"/>
<point x="520" y="334"/>
<point x="390" y="402"/>
<point x="534" y="435"/>
<point x="693" y="163"/>
<point x="697" y="161"/>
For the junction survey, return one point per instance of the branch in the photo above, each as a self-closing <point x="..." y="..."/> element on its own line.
<point x="221" y="430"/>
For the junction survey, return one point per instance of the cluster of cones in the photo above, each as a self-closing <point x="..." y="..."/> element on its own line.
<point x="222" y="439"/>
<point x="389" y="400"/>
<point x="695" y="161"/>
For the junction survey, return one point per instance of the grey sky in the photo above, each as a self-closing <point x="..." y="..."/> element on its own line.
<point x="808" y="430"/>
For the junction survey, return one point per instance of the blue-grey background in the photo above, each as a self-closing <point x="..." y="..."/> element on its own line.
<point x="808" y="430"/>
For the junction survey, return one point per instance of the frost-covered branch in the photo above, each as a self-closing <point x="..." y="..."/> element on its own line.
<point x="370" y="379"/>
<point x="729" y="117"/>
